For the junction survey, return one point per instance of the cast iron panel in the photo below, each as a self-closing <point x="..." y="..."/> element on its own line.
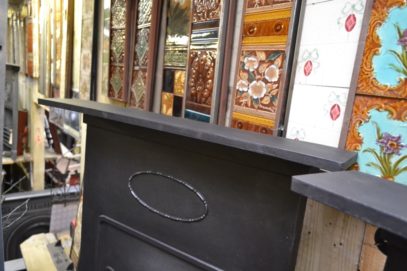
<point x="230" y="189"/>
<point x="114" y="239"/>
<point x="253" y="219"/>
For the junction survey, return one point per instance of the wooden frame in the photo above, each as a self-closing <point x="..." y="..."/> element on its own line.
<point x="225" y="29"/>
<point x="227" y="62"/>
<point x="356" y="71"/>
<point x="288" y="46"/>
<point x="152" y="52"/>
<point x="351" y="92"/>
<point x="131" y="27"/>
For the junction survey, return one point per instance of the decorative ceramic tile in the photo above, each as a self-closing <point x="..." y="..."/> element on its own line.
<point x="198" y="116"/>
<point x="117" y="49"/>
<point x="169" y="78"/>
<point x="257" y="4"/>
<point x="138" y="89"/>
<point x="178" y="29"/>
<point x="379" y="133"/>
<point x="329" y="27"/>
<point x="205" y="37"/>
<point x="144" y="12"/>
<point x="384" y="67"/>
<point x="116" y="82"/>
<point x="117" y="45"/>
<point x="250" y="123"/>
<point x="171" y="105"/>
<point x="167" y="103"/>
<point x="204" y="10"/>
<point x="175" y="56"/>
<point x="323" y="76"/>
<point x="118" y="14"/>
<point x="260" y="69"/>
<point x="332" y="22"/>
<point x="316" y="114"/>
<point x="273" y="27"/>
<point x="201" y="78"/>
<point x="267" y="27"/>
<point x="319" y="65"/>
<point x="179" y="83"/>
<point x="258" y="81"/>
<point x="141" y="48"/>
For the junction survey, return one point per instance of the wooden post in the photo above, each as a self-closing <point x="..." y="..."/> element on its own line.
<point x="36" y="139"/>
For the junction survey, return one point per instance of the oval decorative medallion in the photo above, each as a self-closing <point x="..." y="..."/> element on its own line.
<point x="189" y="187"/>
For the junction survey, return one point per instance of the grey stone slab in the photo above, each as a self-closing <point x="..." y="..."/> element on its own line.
<point x="378" y="202"/>
<point x="309" y="154"/>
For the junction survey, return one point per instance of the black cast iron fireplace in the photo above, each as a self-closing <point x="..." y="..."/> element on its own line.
<point x="172" y="194"/>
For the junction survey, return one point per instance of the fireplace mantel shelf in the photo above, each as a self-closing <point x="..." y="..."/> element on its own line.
<point x="369" y="198"/>
<point x="309" y="154"/>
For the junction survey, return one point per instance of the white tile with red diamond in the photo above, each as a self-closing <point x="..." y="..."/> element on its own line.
<point x="334" y="21"/>
<point x="317" y="109"/>
<point x="326" y="64"/>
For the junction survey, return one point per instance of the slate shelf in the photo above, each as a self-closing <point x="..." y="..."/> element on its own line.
<point x="309" y="154"/>
<point x="369" y="198"/>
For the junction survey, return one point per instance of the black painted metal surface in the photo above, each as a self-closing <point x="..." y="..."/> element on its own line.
<point x="10" y="129"/>
<point x="394" y="247"/>
<point x="309" y="154"/>
<point x="240" y="181"/>
<point x="369" y="198"/>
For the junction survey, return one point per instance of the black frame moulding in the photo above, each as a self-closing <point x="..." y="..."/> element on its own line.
<point x="144" y="171"/>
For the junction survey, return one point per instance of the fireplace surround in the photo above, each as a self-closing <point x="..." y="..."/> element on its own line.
<point x="163" y="193"/>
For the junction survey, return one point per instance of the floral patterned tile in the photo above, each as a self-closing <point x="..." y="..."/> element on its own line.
<point x="384" y="64"/>
<point x="378" y="132"/>
<point x="141" y="47"/>
<point x="116" y="81"/>
<point x="204" y="11"/>
<point x="334" y="21"/>
<point x="317" y="111"/>
<point x="323" y="65"/>
<point x="138" y="88"/>
<point x="117" y="43"/>
<point x="258" y="82"/>
<point x="202" y="67"/>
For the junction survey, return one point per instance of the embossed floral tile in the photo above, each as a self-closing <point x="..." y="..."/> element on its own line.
<point x="378" y="132"/>
<point x="258" y="80"/>
<point x="141" y="48"/>
<point x="384" y="65"/>
<point x="264" y="3"/>
<point x="117" y="44"/>
<point x="144" y="12"/>
<point x="204" y="10"/>
<point x="117" y="49"/>
<point x="116" y="82"/>
<point x="201" y="80"/>
<point x="138" y="88"/>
